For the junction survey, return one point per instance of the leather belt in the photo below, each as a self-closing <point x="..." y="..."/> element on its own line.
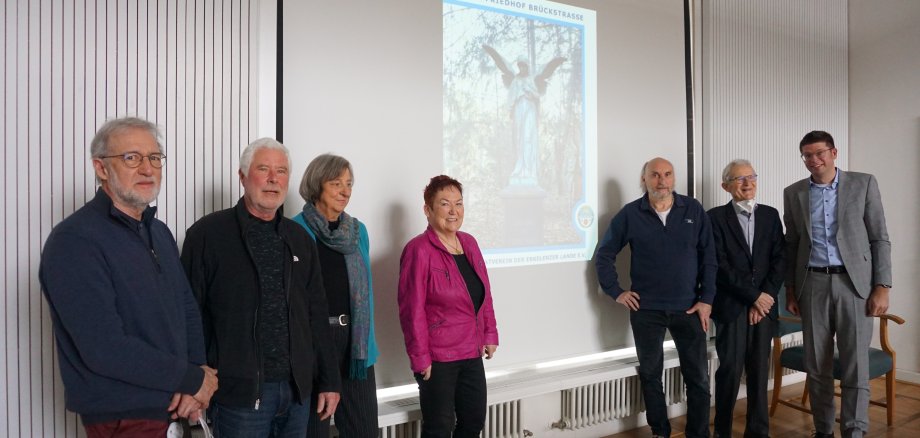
<point x="828" y="269"/>
<point x="341" y="320"/>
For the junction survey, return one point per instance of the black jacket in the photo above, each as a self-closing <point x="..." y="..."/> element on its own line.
<point x="220" y="268"/>
<point x="742" y="276"/>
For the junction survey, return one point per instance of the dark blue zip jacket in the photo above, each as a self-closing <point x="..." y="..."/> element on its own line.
<point x="127" y="326"/>
<point x="672" y="266"/>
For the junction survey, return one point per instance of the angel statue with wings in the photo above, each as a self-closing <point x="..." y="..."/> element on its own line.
<point x="524" y="93"/>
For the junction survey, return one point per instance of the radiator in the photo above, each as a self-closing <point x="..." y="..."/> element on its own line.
<point x="412" y="429"/>
<point x="596" y="403"/>
<point x="503" y="420"/>
<point x="582" y="406"/>
<point x="588" y="405"/>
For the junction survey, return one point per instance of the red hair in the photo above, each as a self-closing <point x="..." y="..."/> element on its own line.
<point x="437" y="184"/>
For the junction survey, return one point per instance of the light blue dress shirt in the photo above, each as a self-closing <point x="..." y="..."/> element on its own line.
<point x="746" y="220"/>
<point x="823" y="206"/>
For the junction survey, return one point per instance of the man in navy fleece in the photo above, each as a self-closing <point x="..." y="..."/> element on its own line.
<point x="128" y="329"/>
<point x="673" y="273"/>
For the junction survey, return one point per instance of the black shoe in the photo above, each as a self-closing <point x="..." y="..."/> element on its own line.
<point x="822" y="435"/>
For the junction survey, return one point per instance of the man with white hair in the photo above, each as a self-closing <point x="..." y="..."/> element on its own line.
<point x="256" y="275"/>
<point x="127" y="327"/>
<point x="750" y="248"/>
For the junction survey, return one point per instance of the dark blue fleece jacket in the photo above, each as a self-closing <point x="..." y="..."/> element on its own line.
<point x="128" y="329"/>
<point x="672" y="266"/>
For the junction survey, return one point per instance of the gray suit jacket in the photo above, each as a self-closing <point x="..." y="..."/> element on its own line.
<point x="861" y="232"/>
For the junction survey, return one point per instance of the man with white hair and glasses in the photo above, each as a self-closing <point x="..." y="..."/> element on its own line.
<point x="749" y="245"/>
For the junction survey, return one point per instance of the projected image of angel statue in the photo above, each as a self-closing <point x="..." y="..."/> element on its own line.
<point x="524" y="92"/>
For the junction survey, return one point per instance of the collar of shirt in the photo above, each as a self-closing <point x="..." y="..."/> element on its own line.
<point x="252" y="220"/>
<point x="833" y="185"/>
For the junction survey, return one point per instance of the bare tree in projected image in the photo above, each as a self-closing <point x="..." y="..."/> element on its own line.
<point x="485" y="145"/>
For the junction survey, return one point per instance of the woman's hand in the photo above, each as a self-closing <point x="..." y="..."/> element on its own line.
<point x="488" y="350"/>
<point x="426" y="373"/>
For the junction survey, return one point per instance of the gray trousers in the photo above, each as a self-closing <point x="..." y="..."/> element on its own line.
<point x="831" y="307"/>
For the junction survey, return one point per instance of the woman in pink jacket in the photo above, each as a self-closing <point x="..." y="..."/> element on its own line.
<point x="445" y="308"/>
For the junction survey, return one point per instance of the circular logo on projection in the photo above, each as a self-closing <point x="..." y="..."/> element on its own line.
<point x="584" y="216"/>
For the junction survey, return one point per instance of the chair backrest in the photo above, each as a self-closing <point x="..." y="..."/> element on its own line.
<point x="784" y="326"/>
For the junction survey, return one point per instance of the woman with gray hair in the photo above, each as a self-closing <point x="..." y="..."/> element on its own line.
<point x="344" y="255"/>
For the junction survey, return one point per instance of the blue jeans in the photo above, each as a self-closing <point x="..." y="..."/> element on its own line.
<point x="648" y="332"/>
<point x="279" y="415"/>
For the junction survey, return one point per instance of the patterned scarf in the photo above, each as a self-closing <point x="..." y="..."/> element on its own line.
<point x="344" y="240"/>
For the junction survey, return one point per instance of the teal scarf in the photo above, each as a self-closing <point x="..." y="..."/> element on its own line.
<point x="344" y="240"/>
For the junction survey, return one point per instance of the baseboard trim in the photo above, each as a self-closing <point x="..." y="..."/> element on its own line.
<point x="909" y="376"/>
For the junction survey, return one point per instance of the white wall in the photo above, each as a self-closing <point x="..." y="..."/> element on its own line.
<point x="771" y="72"/>
<point x="363" y="80"/>
<point x="885" y="141"/>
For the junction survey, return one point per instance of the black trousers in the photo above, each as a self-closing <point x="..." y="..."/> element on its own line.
<point x="356" y="415"/>
<point x="743" y="348"/>
<point x="648" y="331"/>
<point x="454" y="390"/>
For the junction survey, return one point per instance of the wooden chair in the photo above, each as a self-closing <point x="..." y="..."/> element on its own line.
<point x="881" y="362"/>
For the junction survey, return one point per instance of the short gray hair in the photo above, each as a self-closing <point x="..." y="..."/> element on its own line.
<point x="262" y="143"/>
<point x="99" y="147"/>
<point x="727" y="171"/>
<point x="323" y="168"/>
<point x="642" y="177"/>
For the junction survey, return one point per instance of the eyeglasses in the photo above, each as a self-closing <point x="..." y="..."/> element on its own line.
<point x="743" y="178"/>
<point x="819" y="155"/>
<point x="134" y="159"/>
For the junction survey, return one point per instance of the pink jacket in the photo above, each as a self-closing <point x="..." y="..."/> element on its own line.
<point x="437" y="315"/>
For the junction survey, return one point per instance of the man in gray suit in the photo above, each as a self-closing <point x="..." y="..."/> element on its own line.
<point x="837" y="277"/>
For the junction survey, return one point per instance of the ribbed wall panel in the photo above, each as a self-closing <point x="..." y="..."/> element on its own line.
<point x="68" y="66"/>
<point x="771" y="71"/>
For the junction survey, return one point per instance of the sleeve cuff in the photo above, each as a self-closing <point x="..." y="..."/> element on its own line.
<point x="419" y="363"/>
<point x="191" y="381"/>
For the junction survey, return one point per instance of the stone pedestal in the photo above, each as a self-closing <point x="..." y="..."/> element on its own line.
<point x="523" y="215"/>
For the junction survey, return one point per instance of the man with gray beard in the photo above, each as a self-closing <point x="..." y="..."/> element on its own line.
<point x="128" y="329"/>
<point x="672" y="277"/>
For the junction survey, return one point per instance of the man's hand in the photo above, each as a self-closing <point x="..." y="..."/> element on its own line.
<point x="702" y="310"/>
<point x="184" y="406"/>
<point x="754" y="315"/>
<point x="487" y="351"/>
<point x="326" y="402"/>
<point x="764" y="303"/>
<point x="629" y="299"/>
<point x="877" y="304"/>
<point x="208" y="386"/>
<point x="792" y="304"/>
